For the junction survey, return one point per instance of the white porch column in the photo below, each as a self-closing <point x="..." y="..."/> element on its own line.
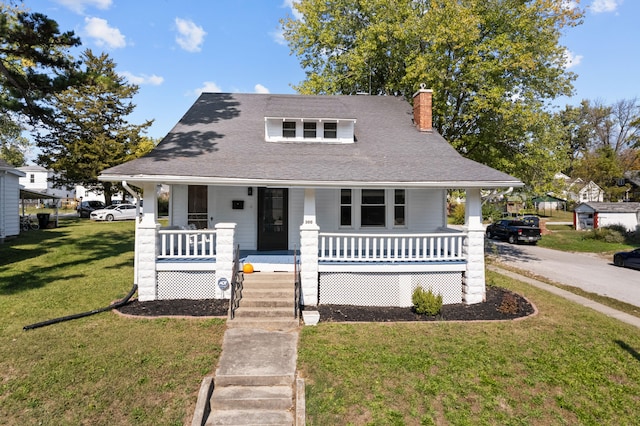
<point x="225" y="249"/>
<point x="473" y="290"/>
<point x="309" y="250"/>
<point x="147" y="245"/>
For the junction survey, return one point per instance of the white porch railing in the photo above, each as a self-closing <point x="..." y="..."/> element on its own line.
<point x="182" y="243"/>
<point x="340" y="247"/>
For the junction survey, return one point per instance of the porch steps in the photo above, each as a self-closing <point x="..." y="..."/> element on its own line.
<point x="267" y="302"/>
<point x="255" y="379"/>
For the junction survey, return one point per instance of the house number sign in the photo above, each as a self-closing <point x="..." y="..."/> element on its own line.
<point x="223" y="284"/>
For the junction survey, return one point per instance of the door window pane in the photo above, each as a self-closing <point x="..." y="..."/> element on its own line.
<point x="345" y="207"/>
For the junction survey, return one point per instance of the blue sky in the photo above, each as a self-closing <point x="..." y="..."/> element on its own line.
<point x="176" y="49"/>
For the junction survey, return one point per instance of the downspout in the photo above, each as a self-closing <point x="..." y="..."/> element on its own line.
<point x="136" y="196"/>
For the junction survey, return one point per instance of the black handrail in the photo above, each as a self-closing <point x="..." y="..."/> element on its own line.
<point x="237" y="280"/>
<point x="297" y="298"/>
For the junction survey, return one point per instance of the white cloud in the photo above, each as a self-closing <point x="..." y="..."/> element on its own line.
<point x="571" y="60"/>
<point x="141" y="79"/>
<point x="278" y="37"/>
<point x="259" y="88"/>
<point x="190" y="36"/>
<point x="103" y="34"/>
<point x="208" y="86"/>
<point x="289" y="3"/>
<point x="79" y="6"/>
<point x="603" y="6"/>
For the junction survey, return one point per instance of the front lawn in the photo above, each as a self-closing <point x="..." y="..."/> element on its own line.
<point x="567" y="365"/>
<point x="99" y="370"/>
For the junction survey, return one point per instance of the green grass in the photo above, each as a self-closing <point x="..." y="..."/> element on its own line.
<point x="565" y="239"/>
<point x="99" y="370"/>
<point x="567" y="365"/>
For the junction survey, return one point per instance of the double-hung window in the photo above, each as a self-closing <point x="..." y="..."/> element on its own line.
<point x="330" y="130"/>
<point x="309" y="130"/>
<point x="373" y="208"/>
<point x="346" y="204"/>
<point x="399" y="207"/>
<point x="289" y="129"/>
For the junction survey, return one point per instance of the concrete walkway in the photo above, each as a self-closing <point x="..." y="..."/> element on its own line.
<point x="613" y="313"/>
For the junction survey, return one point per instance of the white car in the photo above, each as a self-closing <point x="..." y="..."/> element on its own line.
<point x="115" y="212"/>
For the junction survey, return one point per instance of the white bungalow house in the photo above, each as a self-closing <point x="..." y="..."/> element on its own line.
<point x="599" y="215"/>
<point x="356" y="184"/>
<point x="9" y="200"/>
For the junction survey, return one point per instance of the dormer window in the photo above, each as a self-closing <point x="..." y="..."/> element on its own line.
<point x="288" y="129"/>
<point x="330" y="130"/>
<point x="309" y="130"/>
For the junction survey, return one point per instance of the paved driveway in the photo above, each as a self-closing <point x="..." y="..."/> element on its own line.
<point x="587" y="271"/>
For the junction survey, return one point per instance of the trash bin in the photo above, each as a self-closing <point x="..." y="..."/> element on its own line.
<point x="43" y="220"/>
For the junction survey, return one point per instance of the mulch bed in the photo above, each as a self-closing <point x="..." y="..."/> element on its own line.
<point x="501" y="304"/>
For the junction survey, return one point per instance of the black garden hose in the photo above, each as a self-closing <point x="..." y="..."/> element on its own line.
<point x="84" y="314"/>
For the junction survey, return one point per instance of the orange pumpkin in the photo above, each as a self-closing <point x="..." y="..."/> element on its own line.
<point x="247" y="268"/>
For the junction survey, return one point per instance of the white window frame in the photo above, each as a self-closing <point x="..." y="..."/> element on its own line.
<point x="356" y="210"/>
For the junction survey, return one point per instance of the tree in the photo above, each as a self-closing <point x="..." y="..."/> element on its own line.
<point x="491" y="63"/>
<point x="12" y="144"/>
<point x="604" y="168"/>
<point x="34" y="62"/>
<point x="89" y="131"/>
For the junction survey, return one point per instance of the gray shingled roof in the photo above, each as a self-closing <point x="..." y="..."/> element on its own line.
<point x="222" y="137"/>
<point x="613" y="207"/>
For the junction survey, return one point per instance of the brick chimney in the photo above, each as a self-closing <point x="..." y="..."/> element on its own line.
<point x="422" y="109"/>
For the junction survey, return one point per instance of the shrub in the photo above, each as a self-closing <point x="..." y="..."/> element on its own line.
<point x="458" y="214"/>
<point x="425" y="302"/>
<point x="509" y="304"/>
<point x="609" y="234"/>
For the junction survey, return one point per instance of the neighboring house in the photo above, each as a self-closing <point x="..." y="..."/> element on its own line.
<point x="9" y="200"/>
<point x="549" y="203"/>
<point x="579" y="191"/>
<point x="632" y="178"/>
<point x="357" y="184"/>
<point x="38" y="180"/>
<point x="599" y="215"/>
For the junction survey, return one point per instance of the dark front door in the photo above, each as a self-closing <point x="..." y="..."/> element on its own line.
<point x="197" y="206"/>
<point x="272" y="218"/>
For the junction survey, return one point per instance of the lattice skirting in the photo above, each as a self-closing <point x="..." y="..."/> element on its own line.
<point x="186" y="285"/>
<point x="386" y="289"/>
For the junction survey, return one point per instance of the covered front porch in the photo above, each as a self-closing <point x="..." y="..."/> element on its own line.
<point x="336" y="265"/>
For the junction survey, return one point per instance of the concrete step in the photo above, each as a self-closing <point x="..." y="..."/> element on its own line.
<point x="282" y="283"/>
<point x="252" y="398"/>
<point x="262" y="312"/>
<point x="270" y="324"/>
<point x="267" y="293"/>
<point x="239" y="379"/>
<point x="254" y="301"/>
<point x="250" y="417"/>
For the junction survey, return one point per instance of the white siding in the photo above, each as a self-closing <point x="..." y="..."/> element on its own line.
<point x="220" y="210"/>
<point x="628" y="220"/>
<point x="425" y="211"/>
<point x="296" y="216"/>
<point x="9" y="205"/>
<point x="178" y="209"/>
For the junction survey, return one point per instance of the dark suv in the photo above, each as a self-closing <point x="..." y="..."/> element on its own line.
<point x="86" y="207"/>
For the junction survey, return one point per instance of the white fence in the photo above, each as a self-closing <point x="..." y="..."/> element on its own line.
<point x="181" y="243"/>
<point x="340" y="247"/>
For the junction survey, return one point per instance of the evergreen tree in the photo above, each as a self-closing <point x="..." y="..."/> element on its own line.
<point x="89" y="131"/>
<point x="34" y="63"/>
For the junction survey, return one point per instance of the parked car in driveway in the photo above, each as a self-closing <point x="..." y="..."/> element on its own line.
<point x="627" y="259"/>
<point x="115" y="212"/>
<point x="514" y="231"/>
<point x="86" y="207"/>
